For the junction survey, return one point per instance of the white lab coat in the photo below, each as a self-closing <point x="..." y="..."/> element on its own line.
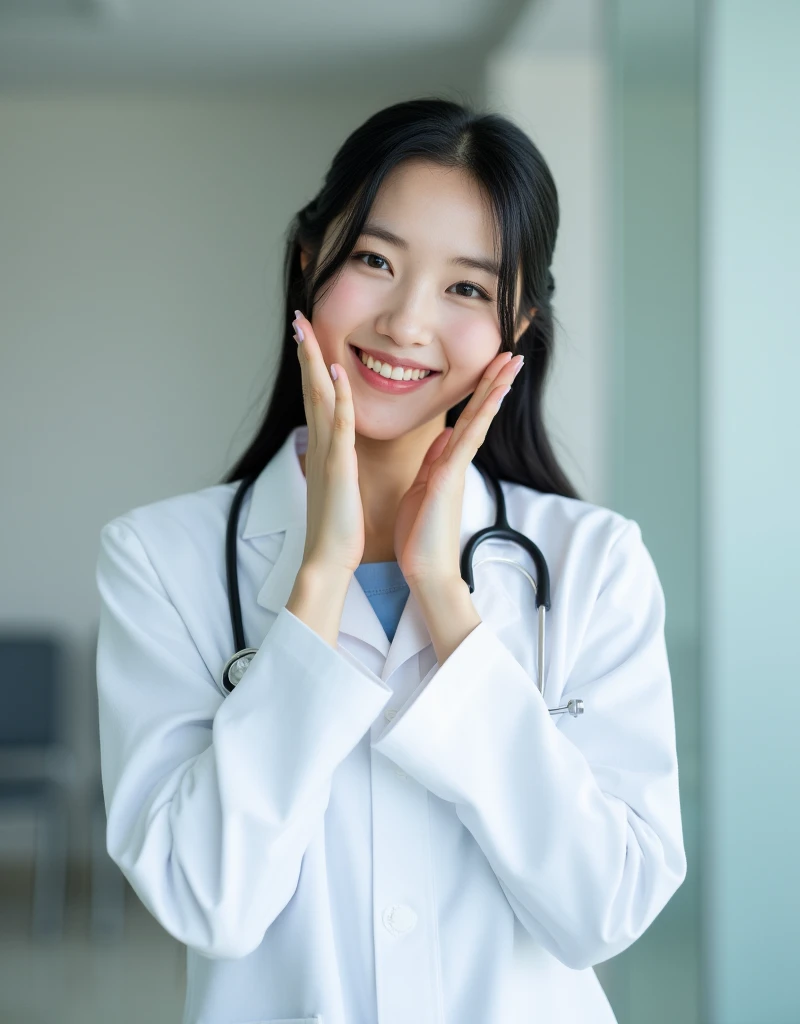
<point x="359" y="835"/>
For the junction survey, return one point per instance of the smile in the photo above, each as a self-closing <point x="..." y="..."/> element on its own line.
<point x="388" y="378"/>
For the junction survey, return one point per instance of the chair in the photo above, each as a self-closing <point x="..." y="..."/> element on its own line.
<point x="37" y="769"/>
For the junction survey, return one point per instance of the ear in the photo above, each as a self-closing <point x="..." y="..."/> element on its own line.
<point x="305" y="259"/>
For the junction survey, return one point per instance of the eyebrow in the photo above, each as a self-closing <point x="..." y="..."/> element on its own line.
<point x="471" y="262"/>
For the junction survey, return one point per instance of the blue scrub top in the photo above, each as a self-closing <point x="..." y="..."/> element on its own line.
<point x="387" y="590"/>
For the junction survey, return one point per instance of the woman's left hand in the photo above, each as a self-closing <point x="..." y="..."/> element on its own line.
<point x="427" y="533"/>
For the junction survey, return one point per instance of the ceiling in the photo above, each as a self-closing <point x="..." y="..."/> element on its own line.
<point x="107" y="42"/>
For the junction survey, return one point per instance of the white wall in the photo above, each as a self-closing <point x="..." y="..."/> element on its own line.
<point x="572" y="134"/>
<point x="751" y="150"/>
<point x="140" y="258"/>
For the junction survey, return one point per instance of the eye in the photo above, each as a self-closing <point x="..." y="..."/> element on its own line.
<point x="477" y="288"/>
<point x="361" y="256"/>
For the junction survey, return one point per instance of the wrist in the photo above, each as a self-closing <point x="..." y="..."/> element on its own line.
<point x="330" y="577"/>
<point x="317" y="599"/>
<point x="449" y="613"/>
<point x="430" y="590"/>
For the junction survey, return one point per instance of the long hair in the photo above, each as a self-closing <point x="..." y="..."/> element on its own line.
<point x="503" y="159"/>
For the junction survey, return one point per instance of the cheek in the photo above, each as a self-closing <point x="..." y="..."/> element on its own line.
<point x="472" y="344"/>
<point x="338" y="315"/>
<point x="344" y="303"/>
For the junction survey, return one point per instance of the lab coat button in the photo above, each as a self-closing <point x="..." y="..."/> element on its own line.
<point x="399" y="919"/>
<point x="389" y="713"/>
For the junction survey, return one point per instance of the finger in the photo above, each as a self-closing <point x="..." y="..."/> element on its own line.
<point x="433" y="453"/>
<point x="343" y="435"/>
<point x="318" y="393"/>
<point x="475" y="435"/>
<point x="304" y="376"/>
<point x="474" y="432"/>
<point x="436" y="448"/>
<point x="303" y="384"/>
<point x="496" y="371"/>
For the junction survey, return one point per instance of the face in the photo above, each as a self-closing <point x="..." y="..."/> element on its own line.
<point x="408" y="302"/>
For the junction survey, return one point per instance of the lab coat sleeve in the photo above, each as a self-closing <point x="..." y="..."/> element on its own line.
<point x="213" y="800"/>
<point x="578" y="817"/>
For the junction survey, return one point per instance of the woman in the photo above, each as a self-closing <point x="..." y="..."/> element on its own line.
<point x="382" y="822"/>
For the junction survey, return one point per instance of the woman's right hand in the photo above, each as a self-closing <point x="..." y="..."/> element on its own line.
<point x="334" y="516"/>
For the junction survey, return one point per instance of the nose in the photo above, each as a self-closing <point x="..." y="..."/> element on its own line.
<point x="407" y="320"/>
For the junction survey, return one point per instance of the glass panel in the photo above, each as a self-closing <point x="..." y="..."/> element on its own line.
<point x="655" y="431"/>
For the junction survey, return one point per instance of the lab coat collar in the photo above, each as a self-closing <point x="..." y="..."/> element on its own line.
<point x="278" y="505"/>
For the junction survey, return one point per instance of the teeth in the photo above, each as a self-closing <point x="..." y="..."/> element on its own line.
<point x="392" y="372"/>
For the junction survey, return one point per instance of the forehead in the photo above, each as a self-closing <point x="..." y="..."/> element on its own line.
<point x="444" y="209"/>
<point x="432" y="197"/>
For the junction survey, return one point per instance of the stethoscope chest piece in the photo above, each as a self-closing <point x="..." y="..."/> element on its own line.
<point x="236" y="666"/>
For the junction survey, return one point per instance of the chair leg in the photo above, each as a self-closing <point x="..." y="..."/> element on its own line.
<point x="50" y="873"/>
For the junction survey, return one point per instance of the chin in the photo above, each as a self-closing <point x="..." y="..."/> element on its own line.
<point x="380" y="428"/>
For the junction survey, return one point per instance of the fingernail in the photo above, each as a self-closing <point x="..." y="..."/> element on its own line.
<point x="500" y="399"/>
<point x="297" y="327"/>
<point x="334" y="374"/>
<point x="519" y="366"/>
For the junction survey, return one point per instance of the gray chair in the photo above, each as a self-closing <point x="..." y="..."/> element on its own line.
<point x="37" y="769"/>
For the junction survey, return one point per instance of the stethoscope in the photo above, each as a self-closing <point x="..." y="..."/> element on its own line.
<point x="237" y="664"/>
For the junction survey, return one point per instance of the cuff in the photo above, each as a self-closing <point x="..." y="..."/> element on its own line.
<point x="453" y="700"/>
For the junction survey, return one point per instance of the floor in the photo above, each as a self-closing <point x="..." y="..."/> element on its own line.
<point x="137" y="979"/>
<point x="141" y="976"/>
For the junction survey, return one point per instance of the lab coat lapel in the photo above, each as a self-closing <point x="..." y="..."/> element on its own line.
<point x="278" y="505"/>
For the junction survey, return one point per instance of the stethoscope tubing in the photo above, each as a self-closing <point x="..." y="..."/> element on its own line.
<point x="237" y="664"/>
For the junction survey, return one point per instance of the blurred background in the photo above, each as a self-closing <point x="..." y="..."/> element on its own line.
<point x="151" y="155"/>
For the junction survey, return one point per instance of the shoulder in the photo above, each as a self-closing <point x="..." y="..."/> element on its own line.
<point x="195" y="514"/>
<point x="608" y="601"/>
<point x="564" y="522"/>
<point x="586" y="545"/>
<point x="174" y="533"/>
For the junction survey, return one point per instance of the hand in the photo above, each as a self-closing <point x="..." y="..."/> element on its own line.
<point x="335" y="516"/>
<point x="427" y="531"/>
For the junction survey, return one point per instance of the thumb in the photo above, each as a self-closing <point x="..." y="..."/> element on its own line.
<point x="434" y="451"/>
<point x="437" y="447"/>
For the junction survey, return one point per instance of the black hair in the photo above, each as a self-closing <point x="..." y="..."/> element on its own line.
<point x="523" y="196"/>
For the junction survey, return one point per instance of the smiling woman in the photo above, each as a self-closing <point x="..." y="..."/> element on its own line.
<point x="378" y="818"/>
<point x="420" y="194"/>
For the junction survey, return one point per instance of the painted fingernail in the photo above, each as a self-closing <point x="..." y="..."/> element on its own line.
<point x="334" y="374"/>
<point x="502" y="396"/>
<point x="519" y="366"/>
<point x="298" y="332"/>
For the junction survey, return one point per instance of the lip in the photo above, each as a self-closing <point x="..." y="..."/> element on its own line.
<point x="386" y="384"/>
